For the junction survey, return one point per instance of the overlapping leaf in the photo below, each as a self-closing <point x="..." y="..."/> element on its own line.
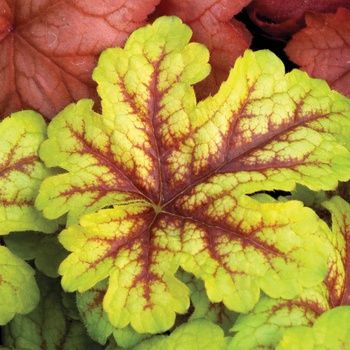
<point x="158" y="181"/>
<point x="21" y="173"/>
<point x="322" y="49"/>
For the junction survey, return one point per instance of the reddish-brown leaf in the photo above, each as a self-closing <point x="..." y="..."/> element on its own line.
<point x="213" y="25"/>
<point x="48" y="48"/>
<point x="280" y="18"/>
<point x="323" y="49"/>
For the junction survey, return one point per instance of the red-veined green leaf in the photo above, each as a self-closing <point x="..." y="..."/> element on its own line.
<point x="21" y="173"/>
<point x="176" y="177"/>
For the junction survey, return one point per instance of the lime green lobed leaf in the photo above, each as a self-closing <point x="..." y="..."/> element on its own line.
<point x="330" y="331"/>
<point x="21" y="173"/>
<point x="159" y="181"/>
<point x="19" y="293"/>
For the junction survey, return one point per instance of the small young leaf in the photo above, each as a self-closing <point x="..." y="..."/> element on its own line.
<point x="21" y="173"/>
<point x="178" y="176"/>
<point x="19" y="293"/>
<point x="330" y="331"/>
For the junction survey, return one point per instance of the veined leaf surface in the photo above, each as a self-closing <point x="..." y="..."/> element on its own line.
<point x="21" y="173"/>
<point x="173" y="179"/>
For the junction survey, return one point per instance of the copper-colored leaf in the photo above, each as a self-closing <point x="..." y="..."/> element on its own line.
<point x="48" y="48"/>
<point x="323" y="49"/>
<point x="213" y="25"/>
<point x="280" y="18"/>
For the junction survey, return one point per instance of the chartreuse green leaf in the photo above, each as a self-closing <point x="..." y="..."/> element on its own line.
<point x="197" y="334"/>
<point x="265" y="325"/>
<point x="159" y="181"/>
<point x="337" y="280"/>
<point x="48" y="326"/>
<point x="330" y="331"/>
<point x="19" y="293"/>
<point x="21" y="173"/>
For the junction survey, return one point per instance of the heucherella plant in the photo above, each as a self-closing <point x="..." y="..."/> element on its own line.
<point x="162" y="204"/>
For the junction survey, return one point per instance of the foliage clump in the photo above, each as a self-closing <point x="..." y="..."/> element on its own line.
<point x="177" y="216"/>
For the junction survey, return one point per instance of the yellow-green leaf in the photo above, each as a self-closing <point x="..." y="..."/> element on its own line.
<point x="158" y="181"/>
<point x="21" y="173"/>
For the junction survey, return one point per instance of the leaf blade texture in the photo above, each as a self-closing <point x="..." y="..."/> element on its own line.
<point x="160" y="181"/>
<point x="21" y="173"/>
